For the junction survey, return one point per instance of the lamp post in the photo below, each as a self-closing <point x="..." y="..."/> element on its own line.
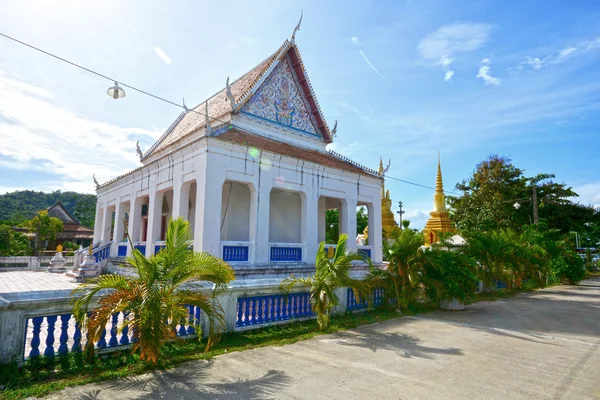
<point x="534" y="200"/>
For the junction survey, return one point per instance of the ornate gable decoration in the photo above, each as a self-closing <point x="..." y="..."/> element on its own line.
<point x="280" y="102"/>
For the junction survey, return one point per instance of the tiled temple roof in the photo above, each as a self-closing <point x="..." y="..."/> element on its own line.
<point x="329" y="159"/>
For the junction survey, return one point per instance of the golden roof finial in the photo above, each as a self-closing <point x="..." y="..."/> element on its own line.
<point x="439" y="184"/>
<point x="90" y="249"/>
<point x="380" y="170"/>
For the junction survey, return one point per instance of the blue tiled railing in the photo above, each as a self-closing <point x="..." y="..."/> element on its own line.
<point x="122" y="250"/>
<point x="235" y="253"/>
<point x="141" y="248"/>
<point x="365" y="252"/>
<point x="61" y="334"/>
<point x="278" y="307"/>
<point x="285" y="254"/>
<point x="101" y="253"/>
<point x="353" y="305"/>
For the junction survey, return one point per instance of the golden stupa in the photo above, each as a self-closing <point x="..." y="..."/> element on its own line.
<point x="439" y="222"/>
<point x="387" y="215"/>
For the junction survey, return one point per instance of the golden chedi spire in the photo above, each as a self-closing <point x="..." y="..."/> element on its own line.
<point x="439" y="222"/>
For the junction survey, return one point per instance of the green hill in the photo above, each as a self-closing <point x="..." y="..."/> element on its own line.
<point x="23" y="204"/>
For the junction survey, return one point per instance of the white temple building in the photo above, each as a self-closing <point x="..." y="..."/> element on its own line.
<point x="254" y="179"/>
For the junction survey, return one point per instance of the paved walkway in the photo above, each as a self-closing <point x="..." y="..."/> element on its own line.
<point x="541" y="345"/>
<point x="23" y="282"/>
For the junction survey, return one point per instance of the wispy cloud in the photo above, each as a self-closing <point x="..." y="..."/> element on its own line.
<point x="355" y="40"/>
<point x="589" y="194"/>
<point x="58" y="142"/>
<point x="162" y="55"/>
<point x="371" y="65"/>
<point x="560" y="56"/>
<point x="484" y="73"/>
<point x="448" y="41"/>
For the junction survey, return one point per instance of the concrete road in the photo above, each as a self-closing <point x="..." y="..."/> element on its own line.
<point x="541" y="345"/>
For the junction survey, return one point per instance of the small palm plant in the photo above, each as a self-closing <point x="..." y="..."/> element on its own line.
<point x="330" y="275"/>
<point x="157" y="299"/>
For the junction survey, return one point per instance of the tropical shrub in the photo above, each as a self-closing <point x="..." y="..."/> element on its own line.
<point x="567" y="266"/>
<point x="449" y="275"/>
<point x="156" y="300"/>
<point x="330" y="275"/>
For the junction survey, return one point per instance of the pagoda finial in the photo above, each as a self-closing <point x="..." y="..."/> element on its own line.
<point x="207" y="125"/>
<point x="139" y="151"/>
<point x="296" y="29"/>
<point x="334" y="130"/>
<point x="439" y="184"/>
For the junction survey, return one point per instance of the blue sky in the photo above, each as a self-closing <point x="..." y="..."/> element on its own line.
<point x="403" y="79"/>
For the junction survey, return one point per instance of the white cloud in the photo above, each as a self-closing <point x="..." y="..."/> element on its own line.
<point x="39" y="136"/>
<point x="441" y="46"/>
<point x="163" y="56"/>
<point x="355" y="40"/>
<point x="560" y="56"/>
<point x="589" y="194"/>
<point x="484" y="73"/>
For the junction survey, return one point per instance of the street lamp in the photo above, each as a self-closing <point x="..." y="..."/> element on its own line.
<point x="516" y="205"/>
<point x="116" y="92"/>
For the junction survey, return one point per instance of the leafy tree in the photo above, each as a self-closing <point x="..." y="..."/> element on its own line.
<point x="332" y="225"/>
<point x="330" y="275"/>
<point x="490" y="193"/>
<point x="157" y="299"/>
<point x="44" y="227"/>
<point x="85" y="211"/>
<point x="569" y="266"/>
<point x="402" y="275"/>
<point x="12" y="243"/>
<point x="362" y="220"/>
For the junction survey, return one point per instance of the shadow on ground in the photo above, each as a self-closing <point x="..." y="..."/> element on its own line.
<point x="404" y="345"/>
<point x="188" y="382"/>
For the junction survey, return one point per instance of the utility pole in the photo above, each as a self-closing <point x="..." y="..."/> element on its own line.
<point x="535" y="203"/>
<point x="400" y="212"/>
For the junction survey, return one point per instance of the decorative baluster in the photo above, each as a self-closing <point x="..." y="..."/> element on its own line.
<point x="35" y="340"/>
<point x="238" y="314"/>
<point x="102" y="342"/>
<point x="276" y="308"/>
<point x="76" y="339"/>
<point x="125" y="332"/>
<point x="292" y="306"/>
<point x="251" y="311"/>
<point x="49" y="352"/>
<point x="259" y="307"/>
<point x="270" y="315"/>
<point x="113" y="330"/>
<point x="64" y="334"/>
<point x="244" y="313"/>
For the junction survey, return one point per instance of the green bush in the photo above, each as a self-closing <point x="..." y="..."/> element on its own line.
<point x="567" y="266"/>
<point x="449" y="274"/>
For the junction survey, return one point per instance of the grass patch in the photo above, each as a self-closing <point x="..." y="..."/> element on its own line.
<point x="43" y="376"/>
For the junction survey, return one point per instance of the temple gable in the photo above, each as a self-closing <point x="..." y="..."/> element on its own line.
<point x="280" y="102"/>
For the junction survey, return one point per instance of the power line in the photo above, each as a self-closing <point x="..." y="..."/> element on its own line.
<point x="162" y="98"/>
<point x="109" y="78"/>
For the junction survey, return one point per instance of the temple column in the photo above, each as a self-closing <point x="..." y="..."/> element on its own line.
<point x="375" y="230"/>
<point x="310" y="224"/>
<point x="207" y="223"/>
<point x="348" y="221"/>
<point x="119" y="228"/>
<point x="322" y="203"/>
<point x="262" y="226"/>
<point x="106" y="224"/>
<point x="253" y="222"/>
<point x="154" y="219"/>
<point x="98" y="223"/>
<point x="181" y="200"/>
<point x="135" y="221"/>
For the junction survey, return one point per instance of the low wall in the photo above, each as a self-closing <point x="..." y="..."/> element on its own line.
<point x="25" y="263"/>
<point x="42" y="323"/>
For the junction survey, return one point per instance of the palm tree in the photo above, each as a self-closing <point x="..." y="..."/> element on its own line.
<point x="406" y="261"/>
<point x="156" y="300"/>
<point x="330" y="275"/>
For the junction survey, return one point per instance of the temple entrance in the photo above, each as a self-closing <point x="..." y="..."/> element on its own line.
<point x="329" y="219"/>
<point x="285" y="226"/>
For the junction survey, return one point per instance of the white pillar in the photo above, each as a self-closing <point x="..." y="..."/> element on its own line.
<point x="135" y="220"/>
<point x="348" y="223"/>
<point x="181" y="200"/>
<point x="98" y="223"/>
<point x="310" y="224"/>
<point x="119" y="228"/>
<point x="375" y="232"/>
<point x="207" y="223"/>
<point x="262" y="227"/>
<point x="106" y="224"/>
<point x="253" y="222"/>
<point x="322" y="219"/>
<point x="154" y="219"/>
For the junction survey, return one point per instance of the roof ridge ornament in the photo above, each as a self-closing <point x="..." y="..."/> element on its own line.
<point x="207" y="124"/>
<point x="296" y="29"/>
<point x="334" y="130"/>
<point x="185" y="107"/>
<point x="95" y="182"/>
<point x="138" y="150"/>
<point x="230" y="94"/>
